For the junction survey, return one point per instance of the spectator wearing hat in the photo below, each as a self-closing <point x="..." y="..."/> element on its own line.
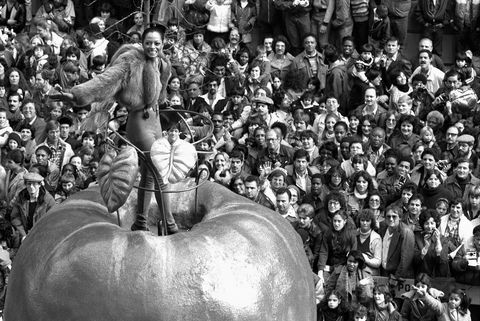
<point x="61" y="151"/>
<point x="30" y="204"/>
<point x="465" y="148"/>
<point x="42" y="156"/>
<point x="13" y="15"/>
<point x="262" y="107"/>
<point x="66" y="133"/>
<point x="252" y="192"/>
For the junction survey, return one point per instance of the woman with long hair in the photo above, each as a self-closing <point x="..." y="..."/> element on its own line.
<point x="337" y="242"/>
<point x="383" y="307"/>
<point x="369" y="242"/>
<point x="361" y="186"/>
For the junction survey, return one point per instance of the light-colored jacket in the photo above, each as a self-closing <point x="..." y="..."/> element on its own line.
<point x="220" y="16"/>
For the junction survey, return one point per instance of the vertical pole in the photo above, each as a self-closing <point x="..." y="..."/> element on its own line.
<point x="147" y="10"/>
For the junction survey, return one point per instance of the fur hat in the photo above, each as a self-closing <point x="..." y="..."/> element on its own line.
<point x="16" y="137"/>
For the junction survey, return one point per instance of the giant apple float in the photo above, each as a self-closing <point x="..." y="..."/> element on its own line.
<point x="235" y="260"/>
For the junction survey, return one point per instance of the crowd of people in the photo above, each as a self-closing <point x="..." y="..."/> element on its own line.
<point x="370" y="156"/>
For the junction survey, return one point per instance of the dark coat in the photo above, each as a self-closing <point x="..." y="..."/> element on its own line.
<point x="20" y="208"/>
<point x="400" y="251"/>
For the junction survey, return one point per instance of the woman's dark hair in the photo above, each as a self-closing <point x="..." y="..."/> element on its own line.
<point x="356" y="176"/>
<point x="342" y="307"/>
<point x="460" y="201"/>
<point x="423" y="278"/>
<point x="72" y="167"/>
<point x="241" y="51"/>
<point x="464" y="299"/>
<point x="331" y="148"/>
<point x="408" y="119"/>
<point x="367" y="215"/>
<point x="283" y="128"/>
<point x="309" y="134"/>
<point x="430" y="151"/>
<point x="281" y="38"/>
<point x="314" y="81"/>
<point x="384" y="289"/>
<point x="431" y="172"/>
<point x="372" y="73"/>
<point x="336" y="196"/>
<point x="333" y="171"/>
<point x="73" y="50"/>
<point x="371" y="119"/>
<point x="233" y="180"/>
<point x="375" y="192"/>
<point x="29" y="127"/>
<point x="428" y="214"/>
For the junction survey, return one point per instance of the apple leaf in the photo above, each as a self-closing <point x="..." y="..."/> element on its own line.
<point x="116" y="175"/>
<point x="173" y="161"/>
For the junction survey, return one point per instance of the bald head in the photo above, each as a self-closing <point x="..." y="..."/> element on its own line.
<point x="425" y="44"/>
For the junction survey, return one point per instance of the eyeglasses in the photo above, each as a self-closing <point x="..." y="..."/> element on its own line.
<point x="394" y="217"/>
<point x="333" y="202"/>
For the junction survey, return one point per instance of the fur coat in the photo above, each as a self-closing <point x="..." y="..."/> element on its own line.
<point x="130" y="79"/>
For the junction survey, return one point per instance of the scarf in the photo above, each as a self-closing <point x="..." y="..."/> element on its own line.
<point x="364" y="235"/>
<point x="403" y="88"/>
<point x="347" y="284"/>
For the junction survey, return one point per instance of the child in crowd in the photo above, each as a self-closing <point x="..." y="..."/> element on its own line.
<point x="380" y="31"/>
<point x="332" y="307"/>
